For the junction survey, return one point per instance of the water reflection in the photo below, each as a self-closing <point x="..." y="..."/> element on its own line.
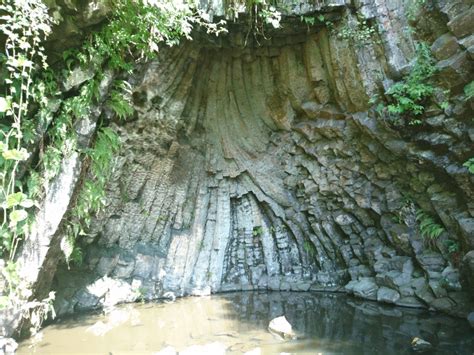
<point x="237" y="322"/>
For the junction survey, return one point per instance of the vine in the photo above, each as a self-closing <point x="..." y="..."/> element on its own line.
<point x="26" y="24"/>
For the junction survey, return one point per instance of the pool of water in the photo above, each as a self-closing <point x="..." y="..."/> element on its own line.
<point x="237" y="323"/>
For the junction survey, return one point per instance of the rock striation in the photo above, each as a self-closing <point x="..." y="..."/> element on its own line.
<point x="264" y="167"/>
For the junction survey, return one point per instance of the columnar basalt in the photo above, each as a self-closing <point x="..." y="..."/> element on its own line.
<point x="258" y="160"/>
<point x="263" y="167"/>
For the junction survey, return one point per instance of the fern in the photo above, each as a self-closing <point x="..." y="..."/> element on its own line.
<point x="429" y="229"/>
<point x="120" y="100"/>
<point x="409" y="94"/>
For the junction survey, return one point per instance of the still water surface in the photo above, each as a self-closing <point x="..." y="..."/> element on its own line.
<point x="237" y="322"/>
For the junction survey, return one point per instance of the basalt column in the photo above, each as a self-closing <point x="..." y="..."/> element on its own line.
<point x="260" y="167"/>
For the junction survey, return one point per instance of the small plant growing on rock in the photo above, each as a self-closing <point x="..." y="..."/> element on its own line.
<point x="257" y="231"/>
<point x="469" y="91"/>
<point x="429" y="229"/>
<point x="361" y="34"/>
<point x="469" y="164"/>
<point x="453" y="250"/>
<point x="409" y="95"/>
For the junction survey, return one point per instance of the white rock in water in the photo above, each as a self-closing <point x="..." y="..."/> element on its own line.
<point x="420" y="345"/>
<point x="8" y="346"/>
<point x="281" y="327"/>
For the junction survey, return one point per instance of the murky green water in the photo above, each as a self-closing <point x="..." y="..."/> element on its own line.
<point x="237" y="322"/>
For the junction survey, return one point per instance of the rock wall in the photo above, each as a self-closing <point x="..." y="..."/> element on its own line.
<point x="265" y="167"/>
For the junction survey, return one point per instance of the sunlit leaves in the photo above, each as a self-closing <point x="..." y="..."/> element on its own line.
<point x="4" y="105"/>
<point x="23" y="26"/>
<point x="15" y="154"/>
<point x="17" y="216"/>
<point x="18" y="199"/>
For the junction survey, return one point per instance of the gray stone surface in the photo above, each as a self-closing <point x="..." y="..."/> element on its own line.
<point x="470" y="319"/>
<point x="387" y="295"/>
<point x="420" y="345"/>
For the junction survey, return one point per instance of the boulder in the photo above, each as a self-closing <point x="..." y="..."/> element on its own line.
<point x="467" y="271"/>
<point x="431" y="261"/>
<point x="387" y="295"/>
<point x="450" y="277"/>
<point x="420" y="345"/>
<point x="444" y="304"/>
<point x="365" y="287"/>
<point x="463" y="24"/>
<point x="455" y="71"/>
<point x="281" y="327"/>
<point x="445" y="46"/>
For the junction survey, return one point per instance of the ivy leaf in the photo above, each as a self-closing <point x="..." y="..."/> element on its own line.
<point x="17" y="216"/>
<point x="4" y="105"/>
<point x="14" y="154"/>
<point x="27" y="203"/>
<point x="15" y="199"/>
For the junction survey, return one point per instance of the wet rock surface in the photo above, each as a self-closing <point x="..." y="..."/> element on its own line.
<point x="420" y="345"/>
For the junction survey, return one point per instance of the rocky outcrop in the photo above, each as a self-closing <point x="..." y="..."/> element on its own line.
<point x="262" y="164"/>
<point x="264" y="167"/>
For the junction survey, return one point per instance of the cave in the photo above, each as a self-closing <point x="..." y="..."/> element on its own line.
<point x="261" y="161"/>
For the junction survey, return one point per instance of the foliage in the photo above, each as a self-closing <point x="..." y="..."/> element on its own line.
<point x="25" y="24"/>
<point x="408" y="96"/>
<point x="123" y="42"/>
<point x="35" y="311"/>
<point x="257" y="231"/>
<point x="92" y="196"/>
<point x="360" y="33"/>
<point x="454" y="251"/>
<point x="430" y="230"/>
<point x="469" y="90"/>
<point x="452" y="246"/>
<point x="312" y="20"/>
<point x="469" y="164"/>
<point x="120" y="100"/>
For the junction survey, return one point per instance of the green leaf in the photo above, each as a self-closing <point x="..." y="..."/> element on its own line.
<point x="14" y="154"/>
<point x="27" y="203"/>
<point x="17" y="216"/>
<point x="4" y="105"/>
<point x="15" y="199"/>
